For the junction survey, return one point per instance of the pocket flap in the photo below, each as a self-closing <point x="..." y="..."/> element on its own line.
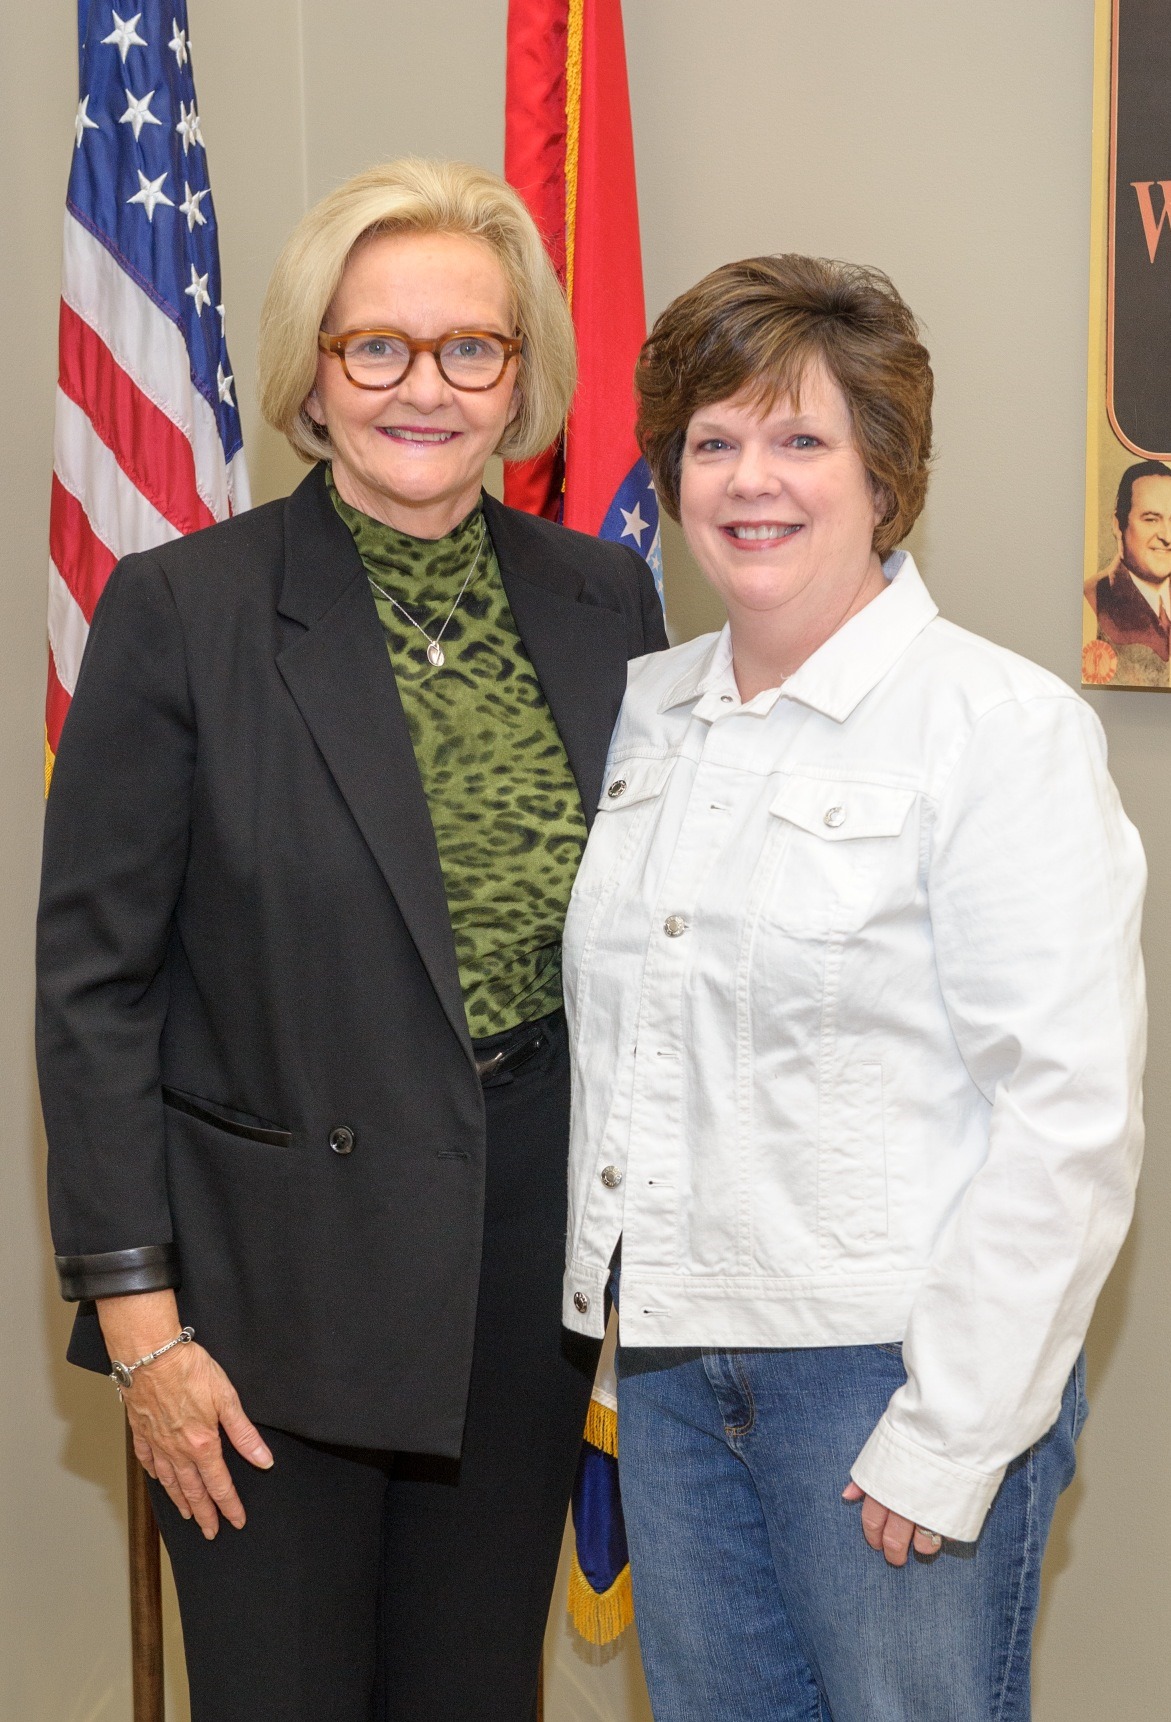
<point x="233" y="1124"/>
<point x="632" y="780"/>
<point x="838" y="811"/>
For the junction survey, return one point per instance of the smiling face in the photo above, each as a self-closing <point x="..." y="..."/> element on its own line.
<point x="414" y="456"/>
<point x="1145" y="540"/>
<point x="780" y="513"/>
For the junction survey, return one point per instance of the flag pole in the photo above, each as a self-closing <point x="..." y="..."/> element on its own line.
<point x="146" y="1605"/>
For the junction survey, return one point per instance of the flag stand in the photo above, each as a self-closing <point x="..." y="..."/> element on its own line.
<point x="146" y="1607"/>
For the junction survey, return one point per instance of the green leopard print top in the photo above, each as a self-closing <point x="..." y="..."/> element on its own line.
<point x="505" y="808"/>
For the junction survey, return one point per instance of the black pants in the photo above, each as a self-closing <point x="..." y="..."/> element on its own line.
<point x="372" y="1587"/>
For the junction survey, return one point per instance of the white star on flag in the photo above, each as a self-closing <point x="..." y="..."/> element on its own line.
<point x="224" y="385"/>
<point x="635" y="524"/>
<point x="223" y="318"/>
<point x="149" y="193"/>
<point x="82" y="122"/>
<point x="198" y="290"/>
<point x="178" y="43"/>
<point x="188" y="127"/>
<point x="124" y="35"/>
<point x="138" y="113"/>
<point x="190" y="207"/>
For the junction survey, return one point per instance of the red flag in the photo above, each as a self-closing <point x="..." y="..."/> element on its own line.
<point x="568" y="150"/>
<point x="570" y="153"/>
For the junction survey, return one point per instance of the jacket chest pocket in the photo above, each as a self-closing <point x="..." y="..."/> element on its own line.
<point x="626" y="817"/>
<point x="835" y="848"/>
<point x="613" y="866"/>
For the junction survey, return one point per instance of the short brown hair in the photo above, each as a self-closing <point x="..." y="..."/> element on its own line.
<point x="757" y="325"/>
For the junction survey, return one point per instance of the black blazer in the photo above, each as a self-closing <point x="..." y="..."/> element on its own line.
<point x="255" y="1068"/>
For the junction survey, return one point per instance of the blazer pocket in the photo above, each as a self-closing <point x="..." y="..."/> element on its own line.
<point x="222" y="1119"/>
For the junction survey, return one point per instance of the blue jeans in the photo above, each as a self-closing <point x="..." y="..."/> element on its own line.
<point x="756" y="1597"/>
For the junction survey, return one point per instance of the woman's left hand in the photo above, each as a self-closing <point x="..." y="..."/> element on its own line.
<point x="890" y="1532"/>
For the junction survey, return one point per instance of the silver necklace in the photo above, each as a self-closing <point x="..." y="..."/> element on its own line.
<point x="435" y="654"/>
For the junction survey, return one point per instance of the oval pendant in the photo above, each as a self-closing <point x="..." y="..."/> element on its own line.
<point x="435" y="654"/>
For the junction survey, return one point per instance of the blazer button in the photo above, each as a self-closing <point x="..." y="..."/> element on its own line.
<point x="581" y="1302"/>
<point x="341" y="1139"/>
<point x="611" y="1177"/>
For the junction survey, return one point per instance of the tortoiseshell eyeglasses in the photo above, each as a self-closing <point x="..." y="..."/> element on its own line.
<point x="472" y="359"/>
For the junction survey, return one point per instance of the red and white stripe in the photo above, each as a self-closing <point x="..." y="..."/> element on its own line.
<point x="137" y="456"/>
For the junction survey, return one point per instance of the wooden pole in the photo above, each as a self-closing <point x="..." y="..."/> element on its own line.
<point x="146" y="1604"/>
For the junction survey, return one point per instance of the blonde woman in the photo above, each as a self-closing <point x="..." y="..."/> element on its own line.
<point x="314" y="822"/>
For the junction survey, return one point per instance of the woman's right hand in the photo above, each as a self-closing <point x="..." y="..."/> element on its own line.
<point x="176" y="1409"/>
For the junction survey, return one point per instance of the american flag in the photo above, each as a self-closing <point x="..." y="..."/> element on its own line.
<point x="147" y="439"/>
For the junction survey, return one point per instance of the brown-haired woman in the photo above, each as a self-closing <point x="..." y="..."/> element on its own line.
<point x="314" y="822"/>
<point x="856" y="1012"/>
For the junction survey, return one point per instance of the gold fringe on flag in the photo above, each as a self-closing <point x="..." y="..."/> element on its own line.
<point x="601" y="1428"/>
<point x="600" y="1619"/>
<point x="575" y="24"/>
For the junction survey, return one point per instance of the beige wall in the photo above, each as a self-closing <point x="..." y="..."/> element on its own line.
<point x="948" y="143"/>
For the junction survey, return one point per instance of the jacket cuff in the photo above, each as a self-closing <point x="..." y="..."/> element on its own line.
<point x="923" y="1486"/>
<point x="118" y="1273"/>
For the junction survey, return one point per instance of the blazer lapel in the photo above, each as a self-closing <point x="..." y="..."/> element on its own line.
<point x="340" y="676"/>
<point x="578" y="650"/>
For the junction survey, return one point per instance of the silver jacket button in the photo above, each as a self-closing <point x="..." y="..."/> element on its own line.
<point x="616" y="788"/>
<point x="581" y="1302"/>
<point x="835" y="816"/>
<point x="674" y="925"/>
<point x="611" y="1177"/>
<point x="341" y="1140"/>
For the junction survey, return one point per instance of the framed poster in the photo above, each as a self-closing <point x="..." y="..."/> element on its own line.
<point x="1126" y="595"/>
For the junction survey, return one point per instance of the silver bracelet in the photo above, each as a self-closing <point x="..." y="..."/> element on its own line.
<point x="122" y="1374"/>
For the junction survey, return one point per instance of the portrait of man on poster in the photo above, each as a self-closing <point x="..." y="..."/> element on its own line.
<point x="1132" y="596"/>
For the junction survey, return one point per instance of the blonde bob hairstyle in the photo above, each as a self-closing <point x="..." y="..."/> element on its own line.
<point x="414" y="195"/>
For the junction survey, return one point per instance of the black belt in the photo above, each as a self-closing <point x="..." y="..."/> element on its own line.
<point x="502" y="1054"/>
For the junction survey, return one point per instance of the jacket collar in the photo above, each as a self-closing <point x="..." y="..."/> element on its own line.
<point x="850" y="664"/>
<point x="577" y="648"/>
<point x="321" y="558"/>
<point x="340" y="676"/>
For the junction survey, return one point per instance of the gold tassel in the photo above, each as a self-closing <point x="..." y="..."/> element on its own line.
<point x="575" y="26"/>
<point x="600" y="1619"/>
<point x="601" y="1428"/>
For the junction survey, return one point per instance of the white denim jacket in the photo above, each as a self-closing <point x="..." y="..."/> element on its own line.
<point x="855" y="993"/>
